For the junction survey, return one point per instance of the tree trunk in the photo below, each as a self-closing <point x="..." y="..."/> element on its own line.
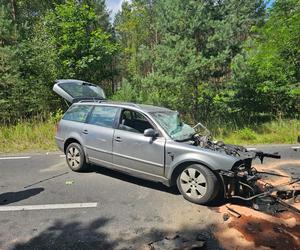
<point x="13" y="9"/>
<point x="195" y="102"/>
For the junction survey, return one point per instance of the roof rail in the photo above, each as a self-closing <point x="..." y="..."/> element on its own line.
<point x="91" y="100"/>
<point x="132" y="104"/>
<point x="125" y="103"/>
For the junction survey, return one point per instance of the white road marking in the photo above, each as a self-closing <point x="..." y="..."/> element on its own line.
<point x="249" y="149"/>
<point x="297" y="147"/>
<point x="15" y="157"/>
<point x="62" y="156"/>
<point x="47" y="206"/>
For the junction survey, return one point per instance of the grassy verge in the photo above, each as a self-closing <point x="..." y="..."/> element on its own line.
<point x="28" y="136"/>
<point x="275" y="132"/>
<point x="39" y="136"/>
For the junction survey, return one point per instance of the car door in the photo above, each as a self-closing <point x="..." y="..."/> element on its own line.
<point x="132" y="151"/>
<point x="99" y="130"/>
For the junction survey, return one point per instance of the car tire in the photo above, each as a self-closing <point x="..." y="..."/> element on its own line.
<point x="197" y="184"/>
<point x="75" y="157"/>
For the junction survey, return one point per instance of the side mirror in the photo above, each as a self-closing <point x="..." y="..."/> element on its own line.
<point x="150" y="132"/>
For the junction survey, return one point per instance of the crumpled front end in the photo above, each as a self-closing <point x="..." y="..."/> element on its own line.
<point x="240" y="181"/>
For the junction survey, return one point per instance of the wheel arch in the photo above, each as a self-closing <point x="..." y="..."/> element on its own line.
<point x="74" y="139"/>
<point x="69" y="141"/>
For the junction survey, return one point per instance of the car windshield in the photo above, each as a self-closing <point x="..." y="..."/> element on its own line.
<point x="172" y="124"/>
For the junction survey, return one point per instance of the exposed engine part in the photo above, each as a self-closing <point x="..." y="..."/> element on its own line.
<point x="275" y="174"/>
<point x="288" y="206"/>
<point x="292" y="195"/>
<point x="205" y="140"/>
<point x="268" y="204"/>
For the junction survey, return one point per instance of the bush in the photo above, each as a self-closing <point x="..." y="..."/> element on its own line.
<point x="246" y="134"/>
<point x="125" y="93"/>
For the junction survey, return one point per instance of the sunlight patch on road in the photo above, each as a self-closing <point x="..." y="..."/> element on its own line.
<point x="55" y="167"/>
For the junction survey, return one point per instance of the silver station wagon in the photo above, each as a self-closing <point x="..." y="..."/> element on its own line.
<point x="148" y="142"/>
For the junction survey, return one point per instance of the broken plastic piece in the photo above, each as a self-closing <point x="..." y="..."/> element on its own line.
<point x="233" y="212"/>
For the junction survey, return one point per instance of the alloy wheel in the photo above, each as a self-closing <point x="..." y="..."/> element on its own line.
<point x="193" y="183"/>
<point x="73" y="157"/>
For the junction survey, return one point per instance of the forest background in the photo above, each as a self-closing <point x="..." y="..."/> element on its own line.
<point x="233" y="65"/>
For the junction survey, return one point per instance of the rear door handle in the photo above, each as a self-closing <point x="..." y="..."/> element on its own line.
<point x="118" y="139"/>
<point x="85" y="131"/>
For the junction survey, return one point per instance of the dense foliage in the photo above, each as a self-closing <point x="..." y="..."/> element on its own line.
<point x="42" y="41"/>
<point x="228" y="61"/>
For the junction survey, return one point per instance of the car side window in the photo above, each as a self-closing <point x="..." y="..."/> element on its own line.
<point x="103" y="116"/>
<point x="77" y="113"/>
<point x="134" y="122"/>
<point x="140" y="117"/>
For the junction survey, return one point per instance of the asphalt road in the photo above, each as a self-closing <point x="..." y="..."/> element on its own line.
<point x="121" y="212"/>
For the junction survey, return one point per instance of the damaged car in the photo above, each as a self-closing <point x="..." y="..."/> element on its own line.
<point x="153" y="143"/>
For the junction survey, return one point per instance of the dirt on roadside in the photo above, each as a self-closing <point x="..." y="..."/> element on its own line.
<point x="261" y="230"/>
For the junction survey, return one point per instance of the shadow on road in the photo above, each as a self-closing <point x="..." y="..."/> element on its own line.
<point x="72" y="235"/>
<point x="134" y="180"/>
<point x="11" y="197"/>
<point x="248" y="233"/>
<point x="76" y="235"/>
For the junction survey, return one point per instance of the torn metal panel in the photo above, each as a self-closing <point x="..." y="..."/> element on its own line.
<point x="241" y="180"/>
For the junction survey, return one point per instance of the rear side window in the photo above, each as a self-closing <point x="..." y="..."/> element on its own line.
<point x="103" y="116"/>
<point x="77" y="113"/>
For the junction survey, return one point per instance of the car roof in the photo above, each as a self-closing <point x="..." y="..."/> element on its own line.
<point x="143" y="107"/>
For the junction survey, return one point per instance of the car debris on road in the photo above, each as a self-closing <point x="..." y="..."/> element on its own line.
<point x="175" y="242"/>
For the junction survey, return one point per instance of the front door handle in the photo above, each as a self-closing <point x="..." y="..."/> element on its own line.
<point x="85" y="131"/>
<point x="118" y="139"/>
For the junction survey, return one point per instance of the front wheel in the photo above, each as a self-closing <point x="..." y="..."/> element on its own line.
<point x="75" y="157"/>
<point x="197" y="184"/>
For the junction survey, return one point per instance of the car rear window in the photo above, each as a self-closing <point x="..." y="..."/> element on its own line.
<point x="85" y="90"/>
<point x="103" y="116"/>
<point x="77" y="113"/>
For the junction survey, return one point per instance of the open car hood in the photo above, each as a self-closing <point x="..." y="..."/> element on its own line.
<point x="75" y="90"/>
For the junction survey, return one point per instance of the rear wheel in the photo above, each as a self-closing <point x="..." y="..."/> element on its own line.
<point x="75" y="157"/>
<point x="197" y="184"/>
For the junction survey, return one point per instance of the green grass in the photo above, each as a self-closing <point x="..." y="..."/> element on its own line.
<point x="275" y="132"/>
<point x="39" y="136"/>
<point x="28" y="136"/>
